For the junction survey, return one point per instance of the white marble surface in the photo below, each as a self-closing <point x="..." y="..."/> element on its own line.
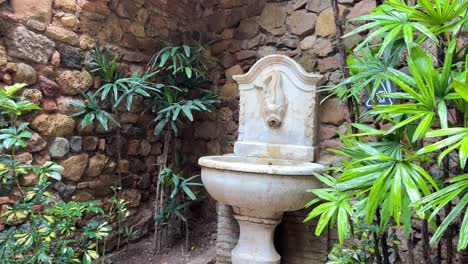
<point x="269" y="172"/>
<point x="278" y="110"/>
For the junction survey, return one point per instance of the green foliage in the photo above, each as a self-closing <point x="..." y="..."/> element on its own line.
<point x="180" y="188"/>
<point x="103" y="64"/>
<point x="336" y="205"/>
<point x="171" y="108"/>
<point x="183" y="93"/>
<point x="14" y="137"/>
<point x="91" y="111"/>
<point x="436" y="201"/>
<point x="38" y="228"/>
<point x="10" y="103"/>
<point x="360" y="251"/>
<point x="384" y="179"/>
<point x="184" y="59"/>
<point x="116" y="90"/>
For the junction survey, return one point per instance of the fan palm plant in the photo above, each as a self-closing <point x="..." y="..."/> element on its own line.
<point x="384" y="179"/>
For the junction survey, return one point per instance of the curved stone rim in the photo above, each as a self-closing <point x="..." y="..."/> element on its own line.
<point x="310" y="78"/>
<point x="260" y="165"/>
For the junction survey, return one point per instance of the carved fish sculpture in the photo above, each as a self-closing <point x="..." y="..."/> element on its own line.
<point x="274" y="101"/>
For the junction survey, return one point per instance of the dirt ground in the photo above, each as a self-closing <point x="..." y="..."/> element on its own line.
<point x="203" y="241"/>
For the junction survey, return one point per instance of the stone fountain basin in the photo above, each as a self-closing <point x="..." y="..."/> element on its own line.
<point x="259" y="187"/>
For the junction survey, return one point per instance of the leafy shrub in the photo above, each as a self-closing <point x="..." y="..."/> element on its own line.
<point x="385" y="179"/>
<point x="38" y="227"/>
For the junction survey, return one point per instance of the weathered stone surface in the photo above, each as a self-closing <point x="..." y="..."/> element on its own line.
<point x="64" y="105"/>
<point x="156" y="149"/>
<point x="82" y="196"/>
<point x="47" y="86"/>
<point x="74" y="167"/>
<point x="245" y="55"/>
<point x="59" y="147"/>
<point x="331" y="143"/>
<point x="7" y="79"/>
<point x="301" y="22"/>
<point x="32" y="95"/>
<point x="318" y="46"/>
<point x="62" y="34"/>
<point x="36" y="143"/>
<point x="266" y="50"/>
<point x="69" y="20"/>
<point x="86" y="42"/>
<point x="247" y="29"/>
<point x="142" y="15"/>
<point x="40" y="9"/>
<point x="74" y="82"/>
<point x="298" y="4"/>
<point x="228" y="33"/>
<point x="206" y="130"/>
<point x="133" y="147"/>
<point x="272" y="18"/>
<point x="3" y="56"/>
<point x="361" y="8"/>
<point x="317" y="6"/>
<point x="96" y="164"/>
<point x="65" y="190"/>
<point x="308" y="61"/>
<point x="224" y="115"/>
<point x="49" y="105"/>
<point x="325" y="25"/>
<point x="132" y="196"/>
<point x="68" y="5"/>
<point x="112" y="31"/>
<point x="87" y="184"/>
<point x="124" y="166"/>
<point x="129" y="118"/>
<point x="229" y="91"/>
<point x="90" y="143"/>
<point x="225" y="19"/>
<point x="75" y="143"/>
<point x="127" y="9"/>
<point x="41" y="157"/>
<point x="234" y="70"/>
<point x="308" y="42"/>
<point x="327" y="132"/>
<point x="24" y="74"/>
<point x="36" y="24"/>
<point x="331" y="113"/>
<point x="138" y="30"/>
<point x="97" y="7"/>
<point x="28" y="180"/>
<point x="24" y="44"/>
<point x="328" y="64"/>
<point x="137" y="165"/>
<point x="289" y="41"/>
<point x="55" y="59"/>
<point x="145" y="148"/>
<point x="53" y="124"/>
<point x="24" y="157"/>
<point x="70" y="57"/>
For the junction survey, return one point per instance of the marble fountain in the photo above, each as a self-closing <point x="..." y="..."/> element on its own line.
<point x="271" y="168"/>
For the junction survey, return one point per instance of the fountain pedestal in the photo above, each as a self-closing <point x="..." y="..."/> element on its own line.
<point x="270" y="170"/>
<point x="256" y="241"/>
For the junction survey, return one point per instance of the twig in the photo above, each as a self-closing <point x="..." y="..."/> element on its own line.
<point x="339" y="21"/>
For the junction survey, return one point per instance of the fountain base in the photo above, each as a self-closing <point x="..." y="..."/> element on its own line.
<point x="255" y="244"/>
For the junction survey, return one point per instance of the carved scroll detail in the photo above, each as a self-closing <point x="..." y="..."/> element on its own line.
<point x="274" y="101"/>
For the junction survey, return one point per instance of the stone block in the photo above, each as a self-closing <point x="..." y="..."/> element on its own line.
<point x="24" y="44"/>
<point x="40" y="9"/>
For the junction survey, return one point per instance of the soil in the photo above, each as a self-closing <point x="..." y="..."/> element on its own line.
<point x="202" y="243"/>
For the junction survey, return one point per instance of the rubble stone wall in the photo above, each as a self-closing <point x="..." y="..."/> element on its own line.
<point x="44" y="43"/>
